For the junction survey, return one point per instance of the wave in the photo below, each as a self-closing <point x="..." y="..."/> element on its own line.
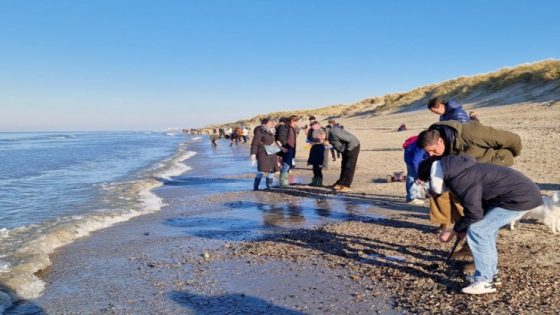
<point x="30" y="246"/>
<point x="38" y="137"/>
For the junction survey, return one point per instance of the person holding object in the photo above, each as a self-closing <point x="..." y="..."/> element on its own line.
<point x="492" y="196"/>
<point x="287" y="136"/>
<point x="267" y="162"/>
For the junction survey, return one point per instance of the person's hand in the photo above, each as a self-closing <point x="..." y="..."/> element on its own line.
<point x="446" y="236"/>
<point x="284" y="150"/>
<point x="253" y="157"/>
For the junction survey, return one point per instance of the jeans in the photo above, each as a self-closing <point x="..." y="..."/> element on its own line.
<point x="481" y="237"/>
<point x="412" y="189"/>
<point x="287" y="161"/>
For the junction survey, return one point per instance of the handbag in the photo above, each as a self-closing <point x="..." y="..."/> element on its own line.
<point x="271" y="149"/>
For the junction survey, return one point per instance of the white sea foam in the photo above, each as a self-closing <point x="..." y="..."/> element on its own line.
<point x="18" y="268"/>
<point x="196" y="138"/>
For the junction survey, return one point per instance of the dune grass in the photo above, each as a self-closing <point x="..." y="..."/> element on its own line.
<point x="530" y="75"/>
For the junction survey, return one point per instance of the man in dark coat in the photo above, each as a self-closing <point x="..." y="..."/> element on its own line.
<point x="349" y="146"/>
<point x="492" y="196"/>
<point x="287" y="135"/>
<point x="266" y="163"/>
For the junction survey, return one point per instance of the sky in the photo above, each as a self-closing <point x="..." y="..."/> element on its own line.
<point x="152" y="65"/>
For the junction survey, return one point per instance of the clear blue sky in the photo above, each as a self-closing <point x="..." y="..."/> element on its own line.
<point x="116" y="64"/>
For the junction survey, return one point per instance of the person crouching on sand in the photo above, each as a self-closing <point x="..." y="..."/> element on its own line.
<point x="492" y="196"/>
<point x="267" y="162"/>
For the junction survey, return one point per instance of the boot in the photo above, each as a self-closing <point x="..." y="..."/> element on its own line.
<point x="284" y="180"/>
<point x="319" y="182"/>
<point x="269" y="183"/>
<point x="256" y="183"/>
<point x="313" y="182"/>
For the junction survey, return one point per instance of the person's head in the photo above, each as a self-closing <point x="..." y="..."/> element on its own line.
<point x="437" y="105"/>
<point x="268" y="122"/>
<point x="293" y="120"/>
<point x="315" y="125"/>
<point x="312" y="118"/>
<point x="431" y="141"/>
<point x="424" y="168"/>
<point x="332" y="122"/>
<point x="321" y="134"/>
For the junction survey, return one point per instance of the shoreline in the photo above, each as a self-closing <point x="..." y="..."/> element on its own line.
<point x="191" y="246"/>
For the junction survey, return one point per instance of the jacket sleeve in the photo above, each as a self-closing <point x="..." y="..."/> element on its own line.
<point x="283" y="135"/>
<point x="257" y="139"/>
<point x="419" y="156"/>
<point x="471" y="199"/>
<point x="488" y="137"/>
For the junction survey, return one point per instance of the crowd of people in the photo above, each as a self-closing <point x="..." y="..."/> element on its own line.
<point x="459" y="164"/>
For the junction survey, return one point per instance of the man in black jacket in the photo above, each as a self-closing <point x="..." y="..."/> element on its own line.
<point x="492" y="196"/>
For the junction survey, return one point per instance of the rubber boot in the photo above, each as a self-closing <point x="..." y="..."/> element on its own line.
<point x="256" y="183"/>
<point x="313" y="182"/>
<point x="269" y="183"/>
<point x="284" y="180"/>
<point x="319" y="182"/>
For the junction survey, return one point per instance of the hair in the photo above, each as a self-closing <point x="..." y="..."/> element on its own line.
<point x="293" y="117"/>
<point x="321" y="132"/>
<point x="313" y="123"/>
<point x="312" y="118"/>
<point x="425" y="168"/>
<point x="265" y="121"/>
<point x="428" y="137"/>
<point x="434" y="102"/>
<point x="332" y="121"/>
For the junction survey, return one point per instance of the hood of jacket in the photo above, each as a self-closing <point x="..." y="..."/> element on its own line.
<point x="452" y="104"/>
<point x="455" y="164"/>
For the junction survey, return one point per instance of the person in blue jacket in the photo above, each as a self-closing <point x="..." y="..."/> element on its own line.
<point x="413" y="155"/>
<point x="448" y="110"/>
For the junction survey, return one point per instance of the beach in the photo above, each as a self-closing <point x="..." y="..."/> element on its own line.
<point x="218" y="247"/>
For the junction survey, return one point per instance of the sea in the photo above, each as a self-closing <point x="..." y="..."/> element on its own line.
<point x="59" y="186"/>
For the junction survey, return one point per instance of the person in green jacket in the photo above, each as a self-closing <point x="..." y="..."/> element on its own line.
<point x="485" y="144"/>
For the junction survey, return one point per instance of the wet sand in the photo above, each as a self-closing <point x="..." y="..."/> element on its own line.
<point x="219" y="248"/>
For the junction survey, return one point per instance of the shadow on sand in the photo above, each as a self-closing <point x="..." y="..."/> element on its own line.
<point x="227" y="304"/>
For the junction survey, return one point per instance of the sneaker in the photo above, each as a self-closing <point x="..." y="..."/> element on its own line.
<point x="496" y="280"/>
<point x="336" y="187"/>
<point x="480" y="287"/>
<point x="416" y="202"/>
<point x="344" y="189"/>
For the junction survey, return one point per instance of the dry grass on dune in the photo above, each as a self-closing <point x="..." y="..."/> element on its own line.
<point x="533" y="81"/>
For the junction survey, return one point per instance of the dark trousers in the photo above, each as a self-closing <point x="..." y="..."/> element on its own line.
<point x="317" y="171"/>
<point x="348" y="166"/>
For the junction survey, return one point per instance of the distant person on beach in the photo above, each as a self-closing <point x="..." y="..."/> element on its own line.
<point x="334" y="124"/>
<point x="286" y="134"/>
<point x="214" y="137"/>
<point x="402" y="127"/>
<point x="317" y="138"/>
<point x="349" y="146"/>
<point x="245" y="134"/>
<point x="448" y="110"/>
<point x="489" y="202"/>
<point x="267" y="162"/>
<point x="413" y="155"/>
